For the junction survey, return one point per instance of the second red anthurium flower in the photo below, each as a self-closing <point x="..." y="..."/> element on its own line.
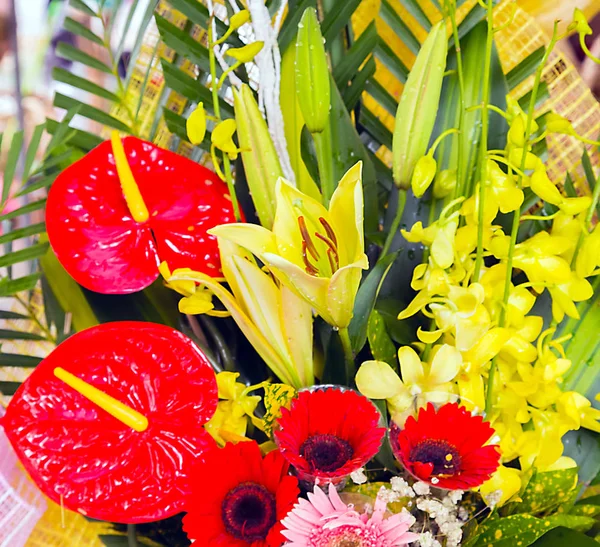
<point x="125" y="207"/>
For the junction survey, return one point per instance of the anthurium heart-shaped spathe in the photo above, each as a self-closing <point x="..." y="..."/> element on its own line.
<point x="97" y="238"/>
<point x="82" y="455"/>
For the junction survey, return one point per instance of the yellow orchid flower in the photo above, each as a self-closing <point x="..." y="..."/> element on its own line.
<point x="588" y="257"/>
<point x="564" y="295"/>
<point x="234" y="408"/>
<point x="547" y="190"/>
<point x="421" y="382"/>
<point x="196" y="125"/>
<point x="196" y="299"/>
<point x="504" y="484"/>
<point x="579" y="411"/>
<point x="538" y="256"/>
<point x="568" y="227"/>
<point x="439" y="236"/>
<point x="274" y="320"/>
<point x="318" y="253"/>
<point x="542" y="446"/>
<point x="246" y="53"/>
<point x="222" y="138"/>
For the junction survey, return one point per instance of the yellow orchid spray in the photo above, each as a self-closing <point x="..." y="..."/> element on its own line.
<point x="275" y="320"/>
<point x="317" y="252"/>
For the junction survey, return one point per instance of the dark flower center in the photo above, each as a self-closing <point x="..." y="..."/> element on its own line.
<point x="444" y="457"/>
<point x="249" y="512"/>
<point x="326" y="452"/>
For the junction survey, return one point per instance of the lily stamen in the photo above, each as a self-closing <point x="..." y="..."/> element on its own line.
<point x="310" y="269"/>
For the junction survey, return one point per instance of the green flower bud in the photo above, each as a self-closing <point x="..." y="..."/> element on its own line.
<point x="312" y="73"/>
<point x="418" y="105"/>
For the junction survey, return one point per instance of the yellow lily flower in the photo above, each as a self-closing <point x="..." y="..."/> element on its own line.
<point x="274" y="320"/>
<point x="317" y="253"/>
<point x="420" y="383"/>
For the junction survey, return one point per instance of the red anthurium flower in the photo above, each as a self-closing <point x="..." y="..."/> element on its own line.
<point x="446" y="448"/>
<point x="328" y="434"/>
<point x="239" y="498"/>
<point x="110" y="423"/>
<point x="111" y="231"/>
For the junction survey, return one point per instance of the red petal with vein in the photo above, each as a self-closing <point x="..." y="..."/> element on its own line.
<point x="97" y="241"/>
<point x="78" y="453"/>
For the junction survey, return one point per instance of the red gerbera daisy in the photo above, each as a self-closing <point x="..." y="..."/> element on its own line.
<point x="446" y="447"/>
<point x="328" y="434"/>
<point x="239" y="498"/>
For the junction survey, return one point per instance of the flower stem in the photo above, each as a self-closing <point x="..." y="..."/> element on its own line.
<point x="217" y="109"/>
<point x="324" y="155"/>
<point x="485" y="118"/>
<point x="588" y="220"/>
<point x="395" y="223"/>
<point x="348" y="355"/>
<point x="517" y="214"/>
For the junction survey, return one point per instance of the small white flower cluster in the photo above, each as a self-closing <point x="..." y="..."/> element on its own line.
<point x="445" y="512"/>
<point x="359" y="476"/>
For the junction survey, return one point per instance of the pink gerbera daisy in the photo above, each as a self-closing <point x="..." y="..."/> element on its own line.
<point x="324" y="521"/>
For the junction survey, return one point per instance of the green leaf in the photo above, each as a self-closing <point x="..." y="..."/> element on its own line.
<point x="353" y="93"/>
<point x="183" y="43"/>
<point x="15" y="360"/>
<point x="560" y="537"/>
<point x="355" y="56"/>
<point x="13" y="286"/>
<point x="395" y="22"/>
<point x="543" y="95"/>
<point x="388" y="58"/>
<point x="9" y="388"/>
<point x="525" y="68"/>
<point x="365" y="301"/>
<point x="71" y="53"/>
<point x="289" y="29"/>
<point x="414" y="8"/>
<point x="83" y="139"/>
<point x="546" y="490"/>
<point x="569" y="187"/>
<point x="83" y="7"/>
<point x="30" y="207"/>
<point x="32" y="149"/>
<point x="5" y="314"/>
<point x="23" y="232"/>
<point x="512" y="531"/>
<point x="380" y="342"/>
<point x="337" y="19"/>
<point x="6" y="334"/>
<point x="376" y="128"/>
<point x="91" y="112"/>
<point x="29" y="253"/>
<point x="68" y="293"/>
<point x="14" y="153"/>
<point x="381" y="95"/>
<point x="81" y="30"/>
<point x="67" y="77"/>
<point x="584" y="447"/>
<point x="198" y="14"/>
<point x="41" y="182"/>
<point x="585" y="509"/>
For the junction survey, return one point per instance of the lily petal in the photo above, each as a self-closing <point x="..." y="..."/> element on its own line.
<point x="342" y="291"/>
<point x="254" y="238"/>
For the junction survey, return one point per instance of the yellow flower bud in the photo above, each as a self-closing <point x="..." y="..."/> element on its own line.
<point x="558" y="124"/>
<point x="239" y="19"/>
<point x="581" y="24"/>
<point x="423" y="175"/>
<point x="312" y="73"/>
<point x="196" y="125"/>
<point x="516" y="133"/>
<point x="531" y="160"/>
<point x="444" y="183"/>
<point x="545" y="188"/>
<point x="246" y="53"/>
<point x="222" y="138"/>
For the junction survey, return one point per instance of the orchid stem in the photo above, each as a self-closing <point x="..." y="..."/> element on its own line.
<point x="395" y="223"/>
<point x="217" y="109"/>
<point x="485" y="118"/>
<point x="348" y="354"/>
<point x="517" y="214"/>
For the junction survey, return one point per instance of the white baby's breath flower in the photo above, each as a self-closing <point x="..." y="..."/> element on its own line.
<point x="493" y="498"/>
<point x="387" y="495"/>
<point x="400" y="486"/>
<point x="421" y="488"/>
<point x="359" y="477"/>
<point x="427" y="540"/>
<point x="463" y="514"/>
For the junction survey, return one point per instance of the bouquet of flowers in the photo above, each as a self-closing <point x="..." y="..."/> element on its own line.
<point x="312" y="344"/>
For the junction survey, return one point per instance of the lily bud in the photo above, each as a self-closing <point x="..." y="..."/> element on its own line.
<point x="423" y="175"/>
<point x="444" y="183"/>
<point x="418" y="105"/>
<point x="246" y="53"/>
<point x="312" y="73"/>
<point x="196" y="125"/>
